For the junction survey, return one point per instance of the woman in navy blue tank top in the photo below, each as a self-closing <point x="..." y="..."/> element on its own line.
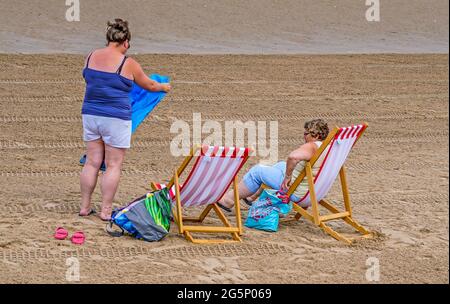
<point x="106" y="113"/>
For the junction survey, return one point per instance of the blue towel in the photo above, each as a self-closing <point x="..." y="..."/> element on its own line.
<point x="143" y="101"/>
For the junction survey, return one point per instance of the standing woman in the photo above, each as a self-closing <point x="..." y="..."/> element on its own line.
<point x="106" y="113"/>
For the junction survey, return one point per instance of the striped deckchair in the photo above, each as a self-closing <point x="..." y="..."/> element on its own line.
<point x="214" y="169"/>
<point x="340" y="141"/>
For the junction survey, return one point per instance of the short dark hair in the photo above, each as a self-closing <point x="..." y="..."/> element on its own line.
<point x="317" y="128"/>
<point x="118" y="31"/>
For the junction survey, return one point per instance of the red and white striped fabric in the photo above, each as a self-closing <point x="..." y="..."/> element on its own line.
<point x="338" y="152"/>
<point x="213" y="171"/>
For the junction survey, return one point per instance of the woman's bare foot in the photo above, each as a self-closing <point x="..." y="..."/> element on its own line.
<point x="86" y="212"/>
<point x="105" y="215"/>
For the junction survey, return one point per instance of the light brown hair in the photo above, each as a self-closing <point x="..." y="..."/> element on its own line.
<point x="118" y="31"/>
<point x="317" y="128"/>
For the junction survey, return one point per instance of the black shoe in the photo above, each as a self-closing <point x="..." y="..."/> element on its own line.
<point x="247" y="202"/>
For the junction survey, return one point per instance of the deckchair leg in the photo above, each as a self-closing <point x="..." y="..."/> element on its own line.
<point x="225" y="221"/>
<point x="179" y="215"/>
<point x="221" y="216"/>
<point x="312" y="194"/>
<point x="348" y="219"/>
<point x="357" y="226"/>
<point x="189" y="237"/>
<point x="303" y="212"/>
<point x="334" y="234"/>
<point x="298" y="215"/>
<point x="237" y="205"/>
<point x="343" y="178"/>
<point x="234" y="231"/>
<point x="174" y="213"/>
<point x="201" y="217"/>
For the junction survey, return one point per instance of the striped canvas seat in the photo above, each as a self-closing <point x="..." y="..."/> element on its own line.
<point x="212" y="174"/>
<point x="215" y="169"/>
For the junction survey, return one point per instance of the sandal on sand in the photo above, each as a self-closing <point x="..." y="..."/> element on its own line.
<point x="92" y="211"/>
<point x="78" y="238"/>
<point x="61" y="233"/>
<point x="249" y="203"/>
<point x="223" y="207"/>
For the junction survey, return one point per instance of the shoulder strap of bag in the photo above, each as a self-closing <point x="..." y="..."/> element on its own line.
<point x="113" y="233"/>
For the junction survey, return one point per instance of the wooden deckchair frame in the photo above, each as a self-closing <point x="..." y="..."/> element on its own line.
<point x="335" y="214"/>
<point x="187" y="230"/>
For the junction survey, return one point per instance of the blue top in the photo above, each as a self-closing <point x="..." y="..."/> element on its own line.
<point x="107" y="93"/>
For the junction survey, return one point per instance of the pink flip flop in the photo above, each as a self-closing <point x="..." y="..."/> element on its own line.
<point x="61" y="233"/>
<point x="78" y="238"/>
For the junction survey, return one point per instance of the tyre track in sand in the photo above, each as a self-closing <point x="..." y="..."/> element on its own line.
<point x="265" y="249"/>
<point x="391" y="115"/>
<point x="410" y="138"/>
<point x="372" y="166"/>
<point x="360" y="198"/>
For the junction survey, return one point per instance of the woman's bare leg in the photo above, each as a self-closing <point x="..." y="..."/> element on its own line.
<point x="255" y="195"/>
<point x="228" y="199"/>
<point x="110" y="180"/>
<point x="89" y="174"/>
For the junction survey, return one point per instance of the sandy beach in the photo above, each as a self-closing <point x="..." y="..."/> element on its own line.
<point x="289" y="63"/>
<point x="398" y="172"/>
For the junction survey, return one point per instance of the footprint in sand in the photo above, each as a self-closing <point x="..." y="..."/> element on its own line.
<point x="400" y="237"/>
<point x="220" y="270"/>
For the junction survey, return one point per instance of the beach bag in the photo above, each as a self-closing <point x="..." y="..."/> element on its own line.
<point x="147" y="217"/>
<point x="264" y="214"/>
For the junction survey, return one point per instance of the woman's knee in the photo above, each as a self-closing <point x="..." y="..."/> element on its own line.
<point x="94" y="162"/>
<point x="114" y="157"/>
<point x="114" y="162"/>
<point x="253" y="178"/>
<point x="256" y="170"/>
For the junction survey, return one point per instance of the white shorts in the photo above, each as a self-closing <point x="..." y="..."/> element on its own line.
<point x="114" y="132"/>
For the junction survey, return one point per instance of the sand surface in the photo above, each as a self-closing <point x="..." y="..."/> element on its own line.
<point x="229" y="26"/>
<point x="398" y="172"/>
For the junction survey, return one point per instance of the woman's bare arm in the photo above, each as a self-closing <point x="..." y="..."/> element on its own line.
<point x="143" y="81"/>
<point x="305" y="152"/>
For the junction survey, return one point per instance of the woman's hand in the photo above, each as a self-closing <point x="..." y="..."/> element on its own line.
<point x="166" y="87"/>
<point x="283" y="197"/>
<point x="286" y="183"/>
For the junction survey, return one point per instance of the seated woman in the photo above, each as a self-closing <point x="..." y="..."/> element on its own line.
<point x="280" y="175"/>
